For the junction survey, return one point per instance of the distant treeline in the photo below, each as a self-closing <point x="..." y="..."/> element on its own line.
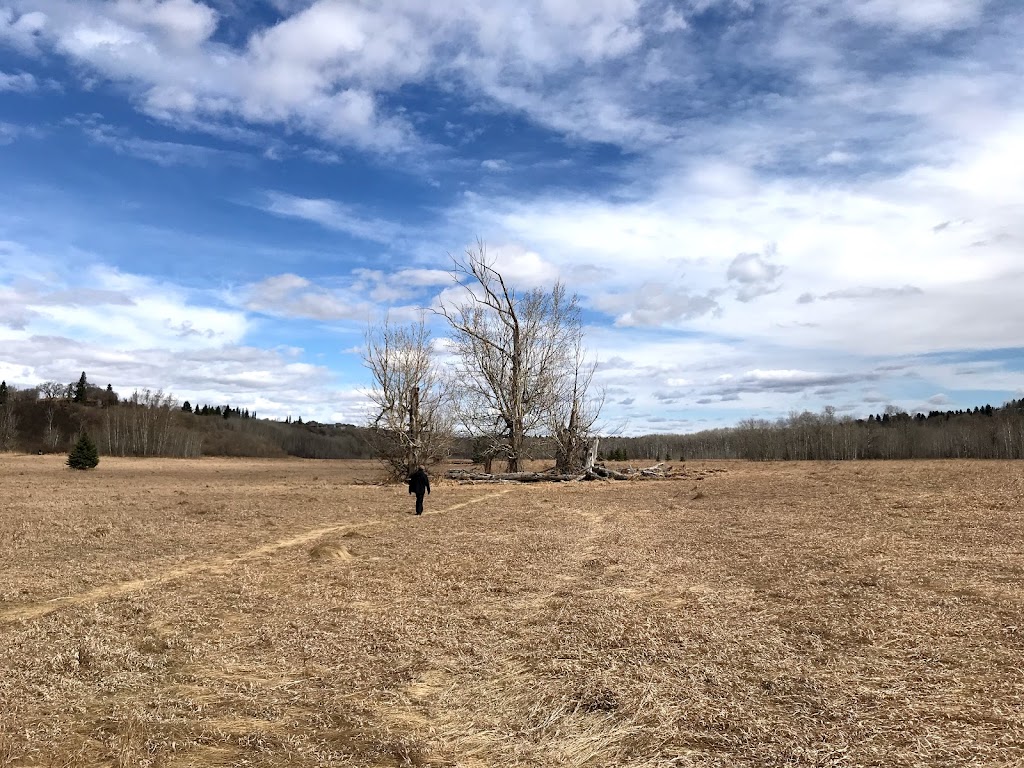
<point x="982" y="433"/>
<point x="48" y="418"/>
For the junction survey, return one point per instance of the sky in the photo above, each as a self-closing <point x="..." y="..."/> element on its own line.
<point x="765" y="206"/>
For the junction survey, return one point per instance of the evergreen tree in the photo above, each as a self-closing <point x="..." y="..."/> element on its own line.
<point x="3" y="392"/>
<point x="84" y="455"/>
<point x="81" y="388"/>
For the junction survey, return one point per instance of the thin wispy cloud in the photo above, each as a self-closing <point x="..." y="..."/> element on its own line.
<point x="164" y="153"/>
<point x="331" y="215"/>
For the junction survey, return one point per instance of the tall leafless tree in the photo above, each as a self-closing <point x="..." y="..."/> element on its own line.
<point x="573" y="420"/>
<point x="8" y="426"/>
<point x="516" y="353"/>
<point x="411" y="423"/>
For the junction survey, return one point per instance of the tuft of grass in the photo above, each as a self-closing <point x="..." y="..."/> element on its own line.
<point x="330" y="550"/>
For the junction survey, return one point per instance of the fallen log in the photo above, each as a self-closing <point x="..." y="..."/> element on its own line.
<point x="610" y="474"/>
<point x="510" y="477"/>
<point x="595" y="472"/>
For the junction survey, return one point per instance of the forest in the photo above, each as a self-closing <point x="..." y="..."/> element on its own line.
<point x="48" y="418"/>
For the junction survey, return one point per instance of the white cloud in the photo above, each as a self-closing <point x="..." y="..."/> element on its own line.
<point x="22" y="82"/>
<point x="920" y="15"/>
<point x="8" y="133"/>
<point x="521" y="266"/>
<point x="359" y="297"/>
<point x="837" y="157"/>
<point x="755" y="274"/>
<point x="862" y="240"/>
<point x="184" y="23"/>
<point x="656" y="304"/>
<point x="330" y="214"/>
<point x="104" y="308"/>
<point x="324" y="67"/>
<point x="137" y="333"/>
<point x="21" y="30"/>
<point x="293" y="296"/>
<point x="166" y="153"/>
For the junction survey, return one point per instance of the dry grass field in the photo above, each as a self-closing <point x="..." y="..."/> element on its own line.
<point x="282" y="613"/>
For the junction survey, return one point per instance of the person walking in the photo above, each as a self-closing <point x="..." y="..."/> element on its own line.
<point x="419" y="483"/>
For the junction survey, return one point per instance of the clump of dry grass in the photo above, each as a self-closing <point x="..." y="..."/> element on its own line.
<point x="791" y="618"/>
<point x="330" y="550"/>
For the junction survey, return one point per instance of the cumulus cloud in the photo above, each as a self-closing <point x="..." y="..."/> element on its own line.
<point x="754" y="274"/>
<point x="655" y="304"/>
<point x="362" y="295"/>
<point x="184" y="23"/>
<point x="389" y="288"/>
<point x="136" y="332"/>
<point x="101" y="316"/>
<point x="324" y="66"/>
<point x="292" y="296"/>
<point x="21" y="30"/>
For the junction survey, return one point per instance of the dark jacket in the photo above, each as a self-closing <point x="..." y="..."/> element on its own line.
<point x="419" y="482"/>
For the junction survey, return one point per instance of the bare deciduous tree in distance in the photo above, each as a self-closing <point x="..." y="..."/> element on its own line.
<point x="411" y="423"/>
<point x="8" y="426"/>
<point x="574" y="417"/>
<point x="516" y="355"/>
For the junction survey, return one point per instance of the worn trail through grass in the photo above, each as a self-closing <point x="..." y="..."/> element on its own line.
<point x="215" y="565"/>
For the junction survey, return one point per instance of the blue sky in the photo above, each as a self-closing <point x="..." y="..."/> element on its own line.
<point x="764" y="206"/>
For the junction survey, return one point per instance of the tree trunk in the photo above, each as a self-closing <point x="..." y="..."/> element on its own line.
<point x="414" y="430"/>
<point x="591" y="455"/>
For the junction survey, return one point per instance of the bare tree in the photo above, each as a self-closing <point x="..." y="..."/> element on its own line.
<point x="8" y="426"/>
<point x="147" y="425"/>
<point x="411" y="423"/>
<point x="575" y="413"/>
<point x="52" y="390"/>
<point x="515" y="353"/>
<point x="51" y="434"/>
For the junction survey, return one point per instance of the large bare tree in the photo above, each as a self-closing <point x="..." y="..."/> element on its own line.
<point x="572" y="422"/>
<point x="516" y="355"/>
<point x="411" y="422"/>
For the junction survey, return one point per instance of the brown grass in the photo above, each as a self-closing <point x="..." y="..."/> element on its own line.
<point x="276" y="613"/>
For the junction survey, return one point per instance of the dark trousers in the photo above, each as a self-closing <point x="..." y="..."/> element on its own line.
<point x="419" y="503"/>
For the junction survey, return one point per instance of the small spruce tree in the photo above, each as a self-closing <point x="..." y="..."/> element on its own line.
<point x="84" y="455"/>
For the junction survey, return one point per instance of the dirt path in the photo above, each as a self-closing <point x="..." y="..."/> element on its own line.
<point x="216" y="565"/>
